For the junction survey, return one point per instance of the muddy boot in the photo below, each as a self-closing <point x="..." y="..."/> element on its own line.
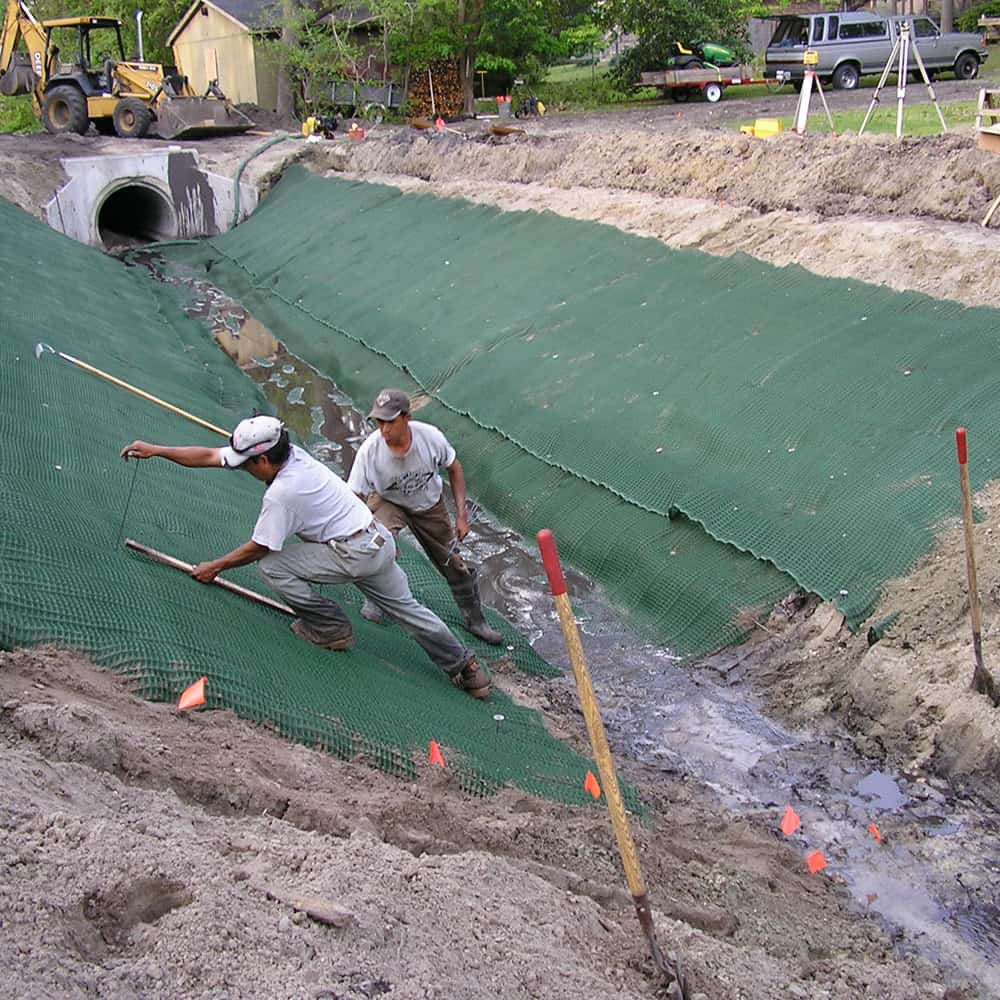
<point x="342" y="640"/>
<point x="371" y="612"/>
<point x="473" y="679"/>
<point x="466" y="594"/>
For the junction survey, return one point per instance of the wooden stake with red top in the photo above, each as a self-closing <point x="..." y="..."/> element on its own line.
<point x="982" y="680"/>
<point x="676" y="983"/>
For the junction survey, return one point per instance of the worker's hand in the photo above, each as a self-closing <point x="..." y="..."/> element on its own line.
<point x="138" y="449"/>
<point x="461" y="525"/>
<point x="206" y="572"/>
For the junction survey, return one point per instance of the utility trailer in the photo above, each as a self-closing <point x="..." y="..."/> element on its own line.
<point x="682" y="84"/>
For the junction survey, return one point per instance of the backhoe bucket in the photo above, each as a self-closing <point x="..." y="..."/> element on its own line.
<point x="193" y="117"/>
<point x="19" y="79"/>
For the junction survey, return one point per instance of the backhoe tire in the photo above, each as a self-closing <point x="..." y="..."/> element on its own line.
<point x="132" y="118"/>
<point x="64" y="109"/>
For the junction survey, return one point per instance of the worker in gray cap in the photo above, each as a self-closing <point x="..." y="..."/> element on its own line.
<point x="397" y="470"/>
<point x="340" y="543"/>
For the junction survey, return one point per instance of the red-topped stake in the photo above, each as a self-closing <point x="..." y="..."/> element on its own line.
<point x="550" y="560"/>
<point x="677" y="987"/>
<point x="982" y="680"/>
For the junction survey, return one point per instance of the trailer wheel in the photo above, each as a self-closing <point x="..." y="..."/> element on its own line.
<point x="132" y="118"/>
<point x="374" y="113"/>
<point x="680" y="94"/>
<point x="64" y="109"/>
<point x="713" y="92"/>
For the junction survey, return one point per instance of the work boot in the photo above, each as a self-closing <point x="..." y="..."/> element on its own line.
<point x="478" y="626"/>
<point x="371" y="612"/>
<point x="466" y="594"/>
<point x="473" y="679"/>
<point x="307" y="632"/>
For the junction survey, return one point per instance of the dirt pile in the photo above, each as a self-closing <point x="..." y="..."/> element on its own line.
<point x="904" y="214"/>
<point x="148" y="853"/>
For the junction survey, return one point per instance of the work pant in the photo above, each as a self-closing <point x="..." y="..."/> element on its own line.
<point x="434" y="531"/>
<point x="372" y="568"/>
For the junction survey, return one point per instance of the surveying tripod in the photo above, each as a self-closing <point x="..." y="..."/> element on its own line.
<point x="902" y="49"/>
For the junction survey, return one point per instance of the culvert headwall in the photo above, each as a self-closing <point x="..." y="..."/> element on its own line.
<point x="112" y="202"/>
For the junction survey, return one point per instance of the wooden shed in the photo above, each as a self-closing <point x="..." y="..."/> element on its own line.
<point x="222" y="40"/>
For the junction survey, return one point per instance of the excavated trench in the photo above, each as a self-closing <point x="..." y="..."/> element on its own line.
<point x="931" y="883"/>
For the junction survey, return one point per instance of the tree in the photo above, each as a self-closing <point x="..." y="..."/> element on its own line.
<point x="660" y="23"/>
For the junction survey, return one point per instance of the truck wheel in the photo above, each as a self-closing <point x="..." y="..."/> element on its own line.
<point x="846" y="77"/>
<point x="966" y="67"/>
<point x="713" y="92"/>
<point x="64" y="109"/>
<point x="132" y="118"/>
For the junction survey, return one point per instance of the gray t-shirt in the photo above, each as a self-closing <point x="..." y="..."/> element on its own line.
<point x="412" y="482"/>
<point x="308" y="500"/>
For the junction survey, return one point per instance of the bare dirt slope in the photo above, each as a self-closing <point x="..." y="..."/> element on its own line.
<point x="146" y="853"/>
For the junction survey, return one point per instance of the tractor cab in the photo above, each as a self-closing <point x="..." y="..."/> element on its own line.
<point x="84" y="51"/>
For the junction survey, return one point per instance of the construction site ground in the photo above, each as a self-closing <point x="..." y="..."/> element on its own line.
<point x="150" y="853"/>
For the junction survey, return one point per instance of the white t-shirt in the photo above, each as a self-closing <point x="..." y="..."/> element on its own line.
<point x="412" y="482"/>
<point x="308" y="500"/>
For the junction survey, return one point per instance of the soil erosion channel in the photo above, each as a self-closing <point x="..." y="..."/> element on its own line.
<point x="701" y="720"/>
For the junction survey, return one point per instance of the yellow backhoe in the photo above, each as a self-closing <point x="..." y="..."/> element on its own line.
<point x="76" y="71"/>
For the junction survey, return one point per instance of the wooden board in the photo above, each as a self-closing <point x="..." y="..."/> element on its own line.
<point x="989" y="139"/>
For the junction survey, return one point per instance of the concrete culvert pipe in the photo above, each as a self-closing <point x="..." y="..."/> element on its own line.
<point x="134" y="214"/>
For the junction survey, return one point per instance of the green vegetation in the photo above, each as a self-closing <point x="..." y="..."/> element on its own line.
<point x="16" y="115"/>
<point x="969" y="20"/>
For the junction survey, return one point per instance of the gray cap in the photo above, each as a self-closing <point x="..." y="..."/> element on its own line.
<point x="389" y="404"/>
<point x="252" y="436"/>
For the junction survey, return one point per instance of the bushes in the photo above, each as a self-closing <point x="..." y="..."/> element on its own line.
<point x="584" y="95"/>
<point x="969" y="21"/>
<point x="16" y="115"/>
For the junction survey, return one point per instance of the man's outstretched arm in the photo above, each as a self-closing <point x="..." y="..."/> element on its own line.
<point x="190" y="456"/>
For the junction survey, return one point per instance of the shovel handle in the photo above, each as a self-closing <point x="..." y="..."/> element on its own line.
<point x="233" y="588"/>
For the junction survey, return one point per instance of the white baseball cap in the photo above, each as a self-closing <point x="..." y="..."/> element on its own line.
<point x="252" y="436"/>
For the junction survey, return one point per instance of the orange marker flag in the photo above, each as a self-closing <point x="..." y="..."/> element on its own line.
<point x="435" y="754"/>
<point x="816" y="862"/>
<point x="439" y="124"/>
<point x="590" y="785"/>
<point x="193" y="696"/>
<point x="874" y="831"/>
<point x="789" y="822"/>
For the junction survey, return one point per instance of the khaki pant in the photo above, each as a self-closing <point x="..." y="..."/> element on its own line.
<point x="433" y="529"/>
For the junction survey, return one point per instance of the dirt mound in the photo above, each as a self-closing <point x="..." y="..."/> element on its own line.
<point x="149" y="853"/>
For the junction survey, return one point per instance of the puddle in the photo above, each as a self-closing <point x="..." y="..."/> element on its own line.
<point x="934" y="879"/>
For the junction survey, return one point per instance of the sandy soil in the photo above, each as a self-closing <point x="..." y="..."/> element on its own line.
<point x="148" y="853"/>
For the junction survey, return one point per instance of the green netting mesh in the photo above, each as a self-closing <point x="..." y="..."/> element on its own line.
<point x="65" y="576"/>
<point x="645" y="403"/>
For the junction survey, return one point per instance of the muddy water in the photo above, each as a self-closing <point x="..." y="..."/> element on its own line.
<point x="923" y="860"/>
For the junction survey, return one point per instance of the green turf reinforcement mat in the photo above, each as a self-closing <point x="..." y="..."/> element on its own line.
<point x="66" y="578"/>
<point x="647" y="404"/>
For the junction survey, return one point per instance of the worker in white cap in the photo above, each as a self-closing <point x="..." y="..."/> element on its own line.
<point x="340" y="543"/>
